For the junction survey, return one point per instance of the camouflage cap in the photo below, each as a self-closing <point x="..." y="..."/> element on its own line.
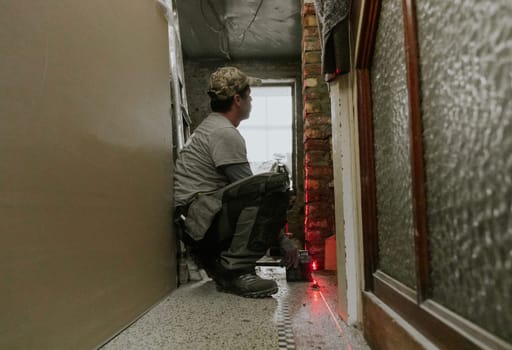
<point x="228" y="81"/>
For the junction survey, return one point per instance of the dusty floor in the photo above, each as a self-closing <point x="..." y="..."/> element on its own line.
<point x="196" y="316"/>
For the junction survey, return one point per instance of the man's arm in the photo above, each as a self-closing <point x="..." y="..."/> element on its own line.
<point x="235" y="172"/>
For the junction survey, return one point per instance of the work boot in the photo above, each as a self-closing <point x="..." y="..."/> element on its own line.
<point x="247" y="285"/>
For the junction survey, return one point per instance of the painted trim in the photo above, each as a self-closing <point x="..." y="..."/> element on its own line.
<point x="337" y="111"/>
<point x="347" y="199"/>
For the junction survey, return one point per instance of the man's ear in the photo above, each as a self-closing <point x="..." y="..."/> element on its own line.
<point x="237" y="98"/>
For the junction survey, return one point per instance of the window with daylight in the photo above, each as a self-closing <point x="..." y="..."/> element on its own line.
<point x="268" y="131"/>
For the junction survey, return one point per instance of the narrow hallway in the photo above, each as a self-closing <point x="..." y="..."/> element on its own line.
<point x="196" y="316"/>
<point x="391" y="119"/>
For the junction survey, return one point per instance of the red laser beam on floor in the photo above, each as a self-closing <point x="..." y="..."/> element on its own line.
<point x="335" y="319"/>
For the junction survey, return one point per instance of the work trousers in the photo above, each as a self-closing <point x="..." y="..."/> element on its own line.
<point x="251" y="215"/>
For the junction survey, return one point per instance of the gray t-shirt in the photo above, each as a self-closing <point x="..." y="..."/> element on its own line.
<point x="214" y="143"/>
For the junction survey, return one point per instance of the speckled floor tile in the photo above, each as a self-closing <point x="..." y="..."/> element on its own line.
<point x="196" y="316"/>
<point x="315" y="322"/>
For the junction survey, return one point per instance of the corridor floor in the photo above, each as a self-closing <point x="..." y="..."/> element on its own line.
<point x="196" y="316"/>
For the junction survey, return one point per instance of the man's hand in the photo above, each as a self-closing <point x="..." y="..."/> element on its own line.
<point x="289" y="252"/>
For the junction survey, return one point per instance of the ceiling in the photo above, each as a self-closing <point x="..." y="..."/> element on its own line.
<point x="240" y="29"/>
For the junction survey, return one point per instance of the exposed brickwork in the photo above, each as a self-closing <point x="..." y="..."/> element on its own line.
<point x="312" y="57"/>
<point x="318" y="189"/>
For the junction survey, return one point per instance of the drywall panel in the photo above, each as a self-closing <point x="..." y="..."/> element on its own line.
<point x="85" y="150"/>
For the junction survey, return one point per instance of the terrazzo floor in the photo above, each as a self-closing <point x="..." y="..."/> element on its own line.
<point x="196" y="316"/>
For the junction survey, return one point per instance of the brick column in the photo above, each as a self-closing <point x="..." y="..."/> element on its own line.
<point x="318" y="183"/>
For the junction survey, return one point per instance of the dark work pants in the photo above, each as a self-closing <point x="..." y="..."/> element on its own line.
<point x="247" y="225"/>
<point x="225" y="252"/>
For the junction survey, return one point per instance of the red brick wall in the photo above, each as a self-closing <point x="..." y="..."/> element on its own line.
<point x="318" y="184"/>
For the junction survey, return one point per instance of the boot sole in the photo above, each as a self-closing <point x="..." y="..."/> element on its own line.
<point x="256" y="295"/>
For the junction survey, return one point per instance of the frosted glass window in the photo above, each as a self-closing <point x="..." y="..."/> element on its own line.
<point x="466" y="79"/>
<point x="392" y="159"/>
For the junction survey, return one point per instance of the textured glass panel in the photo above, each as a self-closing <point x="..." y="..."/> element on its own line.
<point x="392" y="159"/>
<point x="466" y="78"/>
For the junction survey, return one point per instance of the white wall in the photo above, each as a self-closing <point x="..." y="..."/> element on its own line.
<point x="347" y="199"/>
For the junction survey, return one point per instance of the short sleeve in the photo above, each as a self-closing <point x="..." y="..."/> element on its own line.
<point x="227" y="146"/>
